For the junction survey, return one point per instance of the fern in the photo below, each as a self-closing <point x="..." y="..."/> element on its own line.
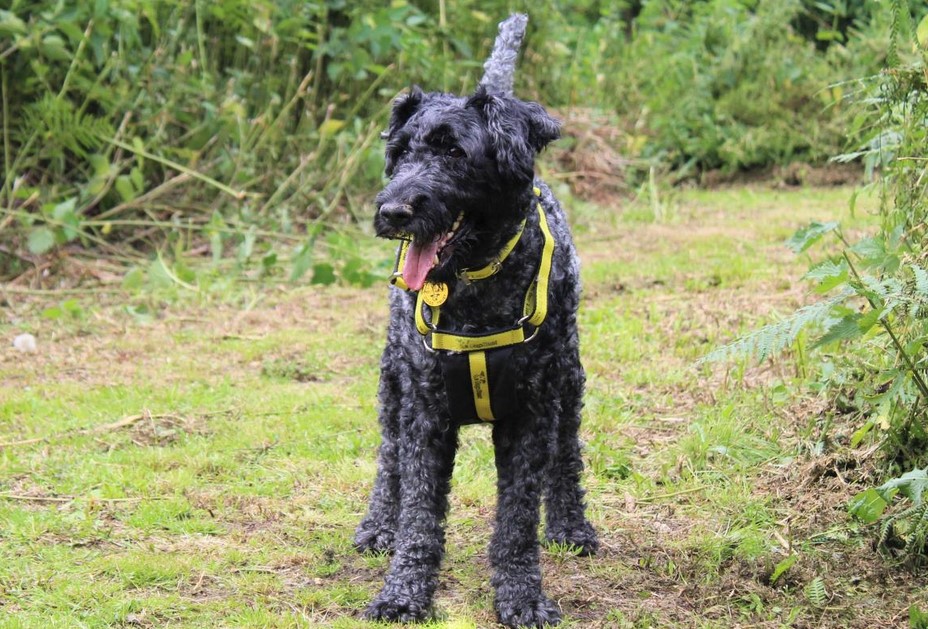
<point x="920" y="277"/>
<point x="901" y="30"/>
<point x="903" y="536"/>
<point x="775" y="337"/>
<point x="61" y="128"/>
<point x="816" y="593"/>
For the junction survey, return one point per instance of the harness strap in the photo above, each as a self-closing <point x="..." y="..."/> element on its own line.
<point x="476" y="346"/>
<point x="540" y="294"/>
<point x="534" y="310"/>
<point x="493" y="267"/>
<point x="477" y="342"/>
<point x="469" y="275"/>
<point x="397" y="277"/>
<point x="480" y="383"/>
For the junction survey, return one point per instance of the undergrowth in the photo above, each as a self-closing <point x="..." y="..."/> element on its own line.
<point x="243" y="133"/>
<point x="873" y="319"/>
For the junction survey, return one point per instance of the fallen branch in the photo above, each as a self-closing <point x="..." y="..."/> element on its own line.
<point x="96" y="430"/>
<point x="28" y="498"/>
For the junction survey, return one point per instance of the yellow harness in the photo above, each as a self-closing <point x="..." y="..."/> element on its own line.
<point x="534" y="310"/>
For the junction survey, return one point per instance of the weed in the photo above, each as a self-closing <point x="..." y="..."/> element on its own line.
<point x="247" y="133"/>
<point x="878" y="288"/>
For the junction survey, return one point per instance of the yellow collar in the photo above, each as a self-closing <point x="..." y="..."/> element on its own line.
<point x="535" y="309"/>
<point x="494" y="266"/>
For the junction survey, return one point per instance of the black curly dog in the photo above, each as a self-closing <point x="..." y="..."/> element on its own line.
<point x="462" y="191"/>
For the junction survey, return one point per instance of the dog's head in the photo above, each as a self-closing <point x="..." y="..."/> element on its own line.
<point x="461" y="172"/>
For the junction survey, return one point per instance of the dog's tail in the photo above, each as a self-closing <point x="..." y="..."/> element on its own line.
<point x="499" y="70"/>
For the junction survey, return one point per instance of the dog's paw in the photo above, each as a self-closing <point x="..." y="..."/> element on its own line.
<point x="371" y="537"/>
<point x="581" y="540"/>
<point x="396" y="609"/>
<point x="530" y="611"/>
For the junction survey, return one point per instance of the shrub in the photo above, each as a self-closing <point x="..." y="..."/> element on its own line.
<point x="877" y="289"/>
<point x="128" y="115"/>
<point x="135" y="123"/>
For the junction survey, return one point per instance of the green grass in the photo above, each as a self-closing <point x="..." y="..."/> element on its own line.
<point x="229" y="494"/>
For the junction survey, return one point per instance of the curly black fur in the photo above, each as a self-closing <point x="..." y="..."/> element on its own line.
<point x="473" y="157"/>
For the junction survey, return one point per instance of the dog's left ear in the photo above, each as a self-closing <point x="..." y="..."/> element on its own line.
<point x="519" y="130"/>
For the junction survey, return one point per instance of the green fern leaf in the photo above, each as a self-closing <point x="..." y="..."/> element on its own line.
<point x="816" y="593"/>
<point x="921" y="280"/>
<point x="775" y="337"/>
<point x="61" y="127"/>
<point x="845" y="329"/>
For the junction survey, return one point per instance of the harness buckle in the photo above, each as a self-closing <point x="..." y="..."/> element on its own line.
<point x="534" y="334"/>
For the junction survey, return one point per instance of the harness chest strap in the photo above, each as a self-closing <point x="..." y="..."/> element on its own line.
<point x="534" y="310"/>
<point x="480" y="385"/>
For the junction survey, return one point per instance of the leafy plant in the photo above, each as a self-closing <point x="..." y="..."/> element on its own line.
<point x="782" y="568"/>
<point x="917" y="618"/>
<point x="879" y="296"/>
<point x="128" y="123"/>
<point x="905" y="533"/>
<point x="877" y="287"/>
<point x="816" y="593"/>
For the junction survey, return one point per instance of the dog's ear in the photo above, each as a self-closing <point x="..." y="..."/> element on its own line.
<point x="403" y="109"/>
<point x="518" y="130"/>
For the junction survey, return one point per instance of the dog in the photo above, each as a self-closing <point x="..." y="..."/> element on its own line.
<point x="483" y="329"/>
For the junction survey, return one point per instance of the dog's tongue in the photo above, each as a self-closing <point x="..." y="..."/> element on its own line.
<point x="419" y="261"/>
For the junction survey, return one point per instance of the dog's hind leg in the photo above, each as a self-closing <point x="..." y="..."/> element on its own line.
<point x="514" y="553"/>
<point x="564" y="505"/>
<point x="426" y="460"/>
<point x="377" y="530"/>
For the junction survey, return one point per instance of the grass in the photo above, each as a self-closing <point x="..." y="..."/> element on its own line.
<point x="207" y="468"/>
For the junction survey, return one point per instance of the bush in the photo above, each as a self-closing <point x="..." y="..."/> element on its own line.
<point x="729" y="84"/>
<point x="248" y="124"/>
<point x="131" y="114"/>
<point x="877" y="292"/>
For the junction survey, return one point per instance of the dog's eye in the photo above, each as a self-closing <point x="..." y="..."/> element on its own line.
<point x="456" y="152"/>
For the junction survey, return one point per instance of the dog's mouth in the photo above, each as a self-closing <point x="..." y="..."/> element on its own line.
<point x="425" y="255"/>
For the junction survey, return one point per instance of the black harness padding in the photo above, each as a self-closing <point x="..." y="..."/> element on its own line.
<point x="504" y="401"/>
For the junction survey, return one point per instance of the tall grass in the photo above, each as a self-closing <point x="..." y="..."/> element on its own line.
<point x="124" y="115"/>
<point x="252" y="126"/>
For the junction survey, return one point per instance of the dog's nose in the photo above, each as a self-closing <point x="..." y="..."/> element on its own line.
<point x="396" y="213"/>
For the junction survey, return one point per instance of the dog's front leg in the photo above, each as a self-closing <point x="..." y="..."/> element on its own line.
<point x="520" y="462"/>
<point x="566" y="521"/>
<point x="427" y="447"/>
<point x="377" y="530"/>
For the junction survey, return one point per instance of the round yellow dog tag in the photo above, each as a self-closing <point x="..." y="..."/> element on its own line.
<point x="434" y="293"/>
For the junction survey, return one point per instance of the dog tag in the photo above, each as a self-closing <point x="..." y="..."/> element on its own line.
<point x="434" y="293"/>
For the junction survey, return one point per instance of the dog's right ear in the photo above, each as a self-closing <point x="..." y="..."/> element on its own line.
<point x="518" y="131"/>
<point x="403" y="109"/>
